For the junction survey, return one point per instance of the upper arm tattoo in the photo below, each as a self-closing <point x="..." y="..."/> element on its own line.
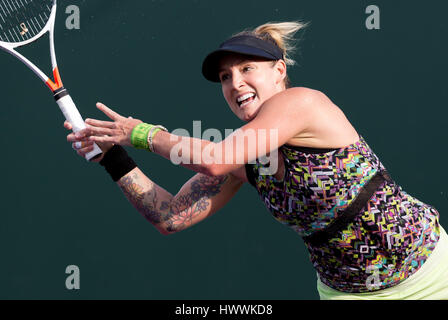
<point x="178" y="212"/>
<point x="186" y="207"/>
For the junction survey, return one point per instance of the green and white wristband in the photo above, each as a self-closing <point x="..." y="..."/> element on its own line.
<point x="139" y="136"/>
<point x="142" y="136"/>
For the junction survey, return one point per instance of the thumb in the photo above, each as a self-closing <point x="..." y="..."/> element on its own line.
<point x="67" y="125"/>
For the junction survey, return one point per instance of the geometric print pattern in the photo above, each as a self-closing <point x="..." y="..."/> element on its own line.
<point x="389" y="240"/>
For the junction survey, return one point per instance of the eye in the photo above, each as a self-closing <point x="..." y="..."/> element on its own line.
<point x="247" y="68"/>
<point x="224" y="76"/>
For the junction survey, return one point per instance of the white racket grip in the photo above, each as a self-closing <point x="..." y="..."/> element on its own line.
<point x="73" y="116"/>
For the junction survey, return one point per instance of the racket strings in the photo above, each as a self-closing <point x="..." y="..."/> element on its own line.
<point x="21" y="20"/>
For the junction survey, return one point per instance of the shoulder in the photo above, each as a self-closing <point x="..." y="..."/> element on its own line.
<point x="295" y="102"/>
<point x="298" y="97"/>
<point x="306" y="94"/>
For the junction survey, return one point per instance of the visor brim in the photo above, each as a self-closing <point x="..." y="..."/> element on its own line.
<point x="210" y="66"/>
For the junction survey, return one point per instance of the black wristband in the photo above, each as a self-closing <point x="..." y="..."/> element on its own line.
<point x="117" y="162"/>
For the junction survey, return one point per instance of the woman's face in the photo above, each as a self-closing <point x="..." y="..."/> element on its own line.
<point x="248" y="82"/>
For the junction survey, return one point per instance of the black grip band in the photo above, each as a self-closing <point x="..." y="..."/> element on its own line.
<point x="320" y="237"/>
<point x="117" y="162"/>
<point x="60" y="93"/>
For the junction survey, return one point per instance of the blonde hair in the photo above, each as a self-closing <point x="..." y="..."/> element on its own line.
<point x="282" y="34"/>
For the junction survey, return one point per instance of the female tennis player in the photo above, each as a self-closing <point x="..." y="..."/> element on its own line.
<point x="367" y="238"/>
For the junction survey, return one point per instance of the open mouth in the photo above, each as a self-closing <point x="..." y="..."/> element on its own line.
<point x="244" y="100"/>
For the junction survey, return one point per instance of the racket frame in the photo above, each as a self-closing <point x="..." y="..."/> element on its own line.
<point x="61" y="95"/>
<point x="49" y="27"/>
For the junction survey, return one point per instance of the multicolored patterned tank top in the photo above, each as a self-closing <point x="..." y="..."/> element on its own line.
<point x="389" y="240"/>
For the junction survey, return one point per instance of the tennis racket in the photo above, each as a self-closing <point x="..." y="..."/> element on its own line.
<point x="23" y="22"/>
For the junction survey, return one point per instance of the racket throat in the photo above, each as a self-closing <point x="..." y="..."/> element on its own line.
<point x="57" y="84"/>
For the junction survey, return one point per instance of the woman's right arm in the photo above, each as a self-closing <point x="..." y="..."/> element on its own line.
<point x="198" y="199"/>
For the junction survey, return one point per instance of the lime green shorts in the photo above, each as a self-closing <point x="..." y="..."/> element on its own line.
<point x="430" y="282"/>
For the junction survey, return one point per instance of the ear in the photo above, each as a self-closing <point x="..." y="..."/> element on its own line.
<point x="280" y="68"/>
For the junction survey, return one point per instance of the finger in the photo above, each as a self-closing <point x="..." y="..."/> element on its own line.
<point x="95" y="131"/>
<point x="104" y="139"/>
<point x="72" y="138"/>
<point x="83" y="133"/>
<point x="81" y="145"/>
<point x="99" y="123"/>
<point x="67" y="125"/>
<point x="108" y="112"/>
<point x="91" y="131"/>
<point x="76" y="145"/>
<point x="82" y="152"/>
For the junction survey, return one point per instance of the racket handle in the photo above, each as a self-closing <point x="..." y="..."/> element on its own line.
<point x="73" y="116"/>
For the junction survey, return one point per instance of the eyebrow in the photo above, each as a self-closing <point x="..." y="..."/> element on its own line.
<point x="242" y="61"/>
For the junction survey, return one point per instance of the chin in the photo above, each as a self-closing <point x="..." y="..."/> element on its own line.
<point x="252" y="115"/>
<point x="249" y="117"/>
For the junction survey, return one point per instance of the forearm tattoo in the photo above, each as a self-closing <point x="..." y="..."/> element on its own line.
<point x="177" y="212"/>
<point x="144" y="201"/>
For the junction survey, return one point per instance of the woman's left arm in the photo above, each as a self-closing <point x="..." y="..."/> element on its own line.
<point x="280" y="118"/>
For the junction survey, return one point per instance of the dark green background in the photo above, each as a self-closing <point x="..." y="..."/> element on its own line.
<point x="143" y="58"/>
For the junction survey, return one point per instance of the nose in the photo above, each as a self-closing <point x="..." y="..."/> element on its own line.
<point x="237" y="80"/>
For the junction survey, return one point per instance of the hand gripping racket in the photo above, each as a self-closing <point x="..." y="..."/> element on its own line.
<point x="23" y="22"/>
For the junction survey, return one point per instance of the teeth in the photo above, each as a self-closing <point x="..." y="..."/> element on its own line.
<point x="244" y="104"/>
<point x="246" y="96"/>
